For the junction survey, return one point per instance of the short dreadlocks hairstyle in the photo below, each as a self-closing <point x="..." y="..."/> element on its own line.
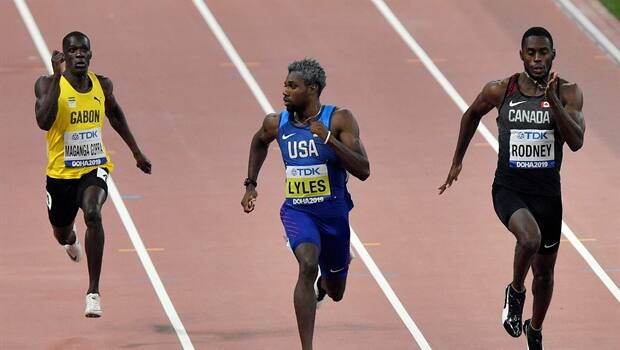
<point x="311" y="71"/>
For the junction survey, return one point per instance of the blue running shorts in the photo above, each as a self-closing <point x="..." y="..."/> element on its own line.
<point x="330" y="234"/>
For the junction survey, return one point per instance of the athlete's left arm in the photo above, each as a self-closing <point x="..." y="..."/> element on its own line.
<point x="568" y="111"/>
<point x="118" y="121"/>
<point x="345" y="141"/>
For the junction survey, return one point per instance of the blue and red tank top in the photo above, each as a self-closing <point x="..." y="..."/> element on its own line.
<point x="316" y="180"/>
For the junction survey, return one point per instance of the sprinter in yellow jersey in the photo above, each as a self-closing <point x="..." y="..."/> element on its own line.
<point x="71" y="106"/>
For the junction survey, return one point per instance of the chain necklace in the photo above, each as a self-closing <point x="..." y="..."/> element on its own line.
<point x="310" y="118"/>
<point x="539" y="85"/>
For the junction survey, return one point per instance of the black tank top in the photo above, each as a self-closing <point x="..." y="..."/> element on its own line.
<point x="530" y="144"/>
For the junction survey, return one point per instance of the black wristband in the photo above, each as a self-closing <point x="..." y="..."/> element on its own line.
<point x="249" y="181"/>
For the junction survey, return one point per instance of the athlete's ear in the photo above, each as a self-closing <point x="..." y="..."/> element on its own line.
<point x="552" y="54"/>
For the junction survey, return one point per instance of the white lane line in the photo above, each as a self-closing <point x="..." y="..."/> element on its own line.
<point x="149" y="267"/>
<point x="432" y="68"/>
<point x="591" y="29"/>
<point x="267" y="108"/>
<point x="389" y="292"/>
<point x="458" y="100"/>
<point x="233" y="55"/>
<point x="35" y="34"/>
<point x="132" y="231"/>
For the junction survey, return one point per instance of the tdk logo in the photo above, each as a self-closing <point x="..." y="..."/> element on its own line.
<point x="306" y="172"/>
<point x="85" y="135"/>
<point x="532" y="135"/>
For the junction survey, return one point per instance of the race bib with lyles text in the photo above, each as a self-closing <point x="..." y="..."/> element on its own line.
<point x="532" y="149"/>
<point x="84" y="148"/>
<point x="307" y="184"/>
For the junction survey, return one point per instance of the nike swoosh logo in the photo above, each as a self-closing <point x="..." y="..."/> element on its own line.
<point x="551" y="245"/>
<point x="512" y="104"/>
<point x="334" y="271"/>
<point x="284" y="137"/>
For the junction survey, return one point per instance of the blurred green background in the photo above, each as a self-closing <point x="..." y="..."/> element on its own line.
<point x="613" y="6"/>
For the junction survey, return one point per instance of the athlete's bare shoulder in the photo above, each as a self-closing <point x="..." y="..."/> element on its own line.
<point x="42" y="84"/>
<point x="272" y="118"/>
<point x="499" y="84"/>
<point x="343" y="115"/>
<point x="46" y="78"/>
<point x="103" y="79"/>
<point x="106" y="84"/>
<point x="343" y="112"/>
<point x="271" y="123"/>
<point x="568" y="86"/>
<point x="342" y="119"/>
<point x="493" y="92"/>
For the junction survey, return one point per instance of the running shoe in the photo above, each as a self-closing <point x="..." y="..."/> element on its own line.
<point x="513" y="310"/>
<point x="74" y="250"/>
<point x="319" y="292"/>
<point x="93" y="305"/>
<point x="534" y="337"/>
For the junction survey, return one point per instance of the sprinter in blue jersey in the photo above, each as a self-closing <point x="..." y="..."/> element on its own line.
<point x="320" y="145"/>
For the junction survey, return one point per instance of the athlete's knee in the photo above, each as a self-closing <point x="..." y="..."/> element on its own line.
<point x="543" y="277"/>
<point x="525" y="228"/>
<point x="529" y="242"/>
<point x="337" y="295"/>
<point x="92" y="215"/>
<point x="335" y="290"/>
<point x="308" y="268"/>
<point x="63" y="234"/>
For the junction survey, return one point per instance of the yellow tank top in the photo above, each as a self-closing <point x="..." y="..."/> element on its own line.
<point x="75" y="142"/>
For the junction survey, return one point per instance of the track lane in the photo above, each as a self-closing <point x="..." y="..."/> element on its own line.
<point x="166" y="104"/>
<point x="45" y="287"/>
<point x="220" y="248"/>
<point x="597" y="161"/>
<point x="587" y="163"/>
<point x="480" y="207"/>
<point x="405" y="258"/>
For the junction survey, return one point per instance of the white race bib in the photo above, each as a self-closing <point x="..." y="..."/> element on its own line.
<point x="532" y="149"/>
<point x="84" y="148"/>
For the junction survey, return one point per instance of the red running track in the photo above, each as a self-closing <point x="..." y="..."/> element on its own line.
<point x="229" y="275"/>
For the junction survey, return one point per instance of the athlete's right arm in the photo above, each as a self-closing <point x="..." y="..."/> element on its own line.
<point x="258" y="153"/>
<point x="491" y="96"/>
<point x="47" y="90"/>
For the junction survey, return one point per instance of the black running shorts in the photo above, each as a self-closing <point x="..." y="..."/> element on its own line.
<point x="64" y="196"/>
<point x="547" y="210"/>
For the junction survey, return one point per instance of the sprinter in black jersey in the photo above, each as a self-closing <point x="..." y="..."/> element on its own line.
<point x="537" y="113"/>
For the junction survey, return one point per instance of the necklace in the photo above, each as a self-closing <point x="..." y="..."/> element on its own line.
<point x="313" y="117"/>
<point x="539" y="85"/>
